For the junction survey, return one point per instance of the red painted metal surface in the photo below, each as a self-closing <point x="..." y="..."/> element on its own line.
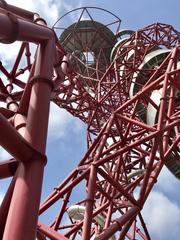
<point x="125" y="154"/>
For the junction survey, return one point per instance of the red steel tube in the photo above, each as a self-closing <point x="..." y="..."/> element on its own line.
<point x="18" y="11"/>
<point x="22" y="215"/>
<point x="23" y="211"/>
<point x="5" y="206"/>
<point x="19" y="149"/>
<point x="49" y="232"/>
<point x="8" y="168"/>
<point x="130" y="214"/>
<point x="92" y="185"/>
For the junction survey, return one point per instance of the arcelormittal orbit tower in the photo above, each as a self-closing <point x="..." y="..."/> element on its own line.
<point x="124" y="85"/>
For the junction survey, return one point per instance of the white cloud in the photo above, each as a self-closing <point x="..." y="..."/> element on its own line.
<point x="47" y="9"/>
<point x="9" y="52"/>
<point x="162" y="217"/>
<point x="68" y="7"/>
<point x="167" y="182"/>
<point x="50" y="10"/>
<point x="61" y="123"/>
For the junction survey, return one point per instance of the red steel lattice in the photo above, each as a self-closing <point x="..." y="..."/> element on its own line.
<point x="129" y="97"/>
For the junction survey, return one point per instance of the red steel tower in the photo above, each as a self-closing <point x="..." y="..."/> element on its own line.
<point x="125" y="85"/>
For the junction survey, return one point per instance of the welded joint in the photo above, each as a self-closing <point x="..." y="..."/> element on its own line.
<point x="20" y="126"/>
<point x="40" y="78"/>
<point x="90" y="200"/>
<point x="92" y="164"/>
<point x="164" y="98"/>
<point x="65" y="65"/>
<point x="65" y="201"/>
<point x="118" y="220"/>
<point x="36" y="156"/>
<point x="154" y="178"/>
<point x="65" y="61"/>
<point x="39" y="19"/>
<point x="13" y="167"/>
<point x="9" y="86"/>
<point x="106" y="133"/>
<point x="118" y="224"/>
<point x="12" y="102"/>
<point x="138" y="230"/>
<point x="148" y="169"/>
<point x="56" y="190"/>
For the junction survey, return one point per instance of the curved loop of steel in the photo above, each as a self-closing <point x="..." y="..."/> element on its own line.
<point x="82" y="9"/>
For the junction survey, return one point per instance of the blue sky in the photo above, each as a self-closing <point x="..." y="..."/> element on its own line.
<point x="66" y="137"/>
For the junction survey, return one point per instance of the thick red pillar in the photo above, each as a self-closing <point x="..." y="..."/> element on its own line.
<point x="22" y="217"/>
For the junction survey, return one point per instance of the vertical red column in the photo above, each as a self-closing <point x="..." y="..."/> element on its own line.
<point x="23" y="212"/>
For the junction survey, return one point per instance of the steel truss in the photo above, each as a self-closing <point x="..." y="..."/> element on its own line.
<point x="125" y="153"/>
